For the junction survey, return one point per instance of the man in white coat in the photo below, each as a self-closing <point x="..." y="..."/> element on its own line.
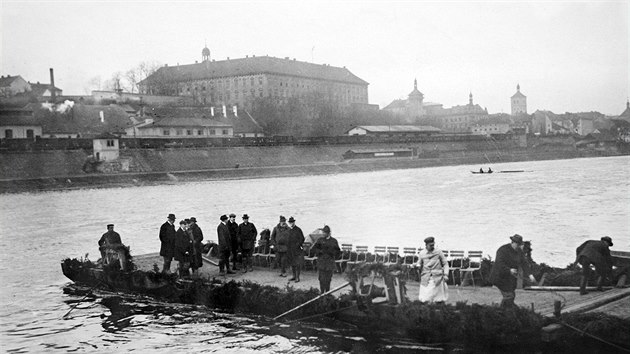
<point x="433" y="269"/>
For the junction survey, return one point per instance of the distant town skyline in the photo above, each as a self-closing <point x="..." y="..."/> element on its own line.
<point x="566" y="56"/>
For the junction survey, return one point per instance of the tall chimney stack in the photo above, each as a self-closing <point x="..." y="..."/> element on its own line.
<point x="52" y="86"/>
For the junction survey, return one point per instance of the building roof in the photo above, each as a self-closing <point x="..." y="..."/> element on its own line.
<point x="243" y="123"/>
<point x="39" y="89"/>
<point x="172" y="122"/>
<point x="253" y="66"/>
<point x="396" y="104"/>
<point x="5" y="81"/>
<point x="626" y="114"/>
<point x="518" y="94"/>
<point x="398" y="128"/>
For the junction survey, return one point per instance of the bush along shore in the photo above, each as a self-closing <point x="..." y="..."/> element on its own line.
<point x="460" y="326"/>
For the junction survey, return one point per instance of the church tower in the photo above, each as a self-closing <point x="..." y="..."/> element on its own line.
<point x="205" y="54"/>
<point x="519" y="102"/>
<point x="414" y="102"/>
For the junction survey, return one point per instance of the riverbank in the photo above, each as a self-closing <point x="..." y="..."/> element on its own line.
<point x="162" y="166"/>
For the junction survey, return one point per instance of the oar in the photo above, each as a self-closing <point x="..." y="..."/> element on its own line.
<point x="80" y="301"/>
<point x="309" y="301"/>
<point x="210" y="261"/>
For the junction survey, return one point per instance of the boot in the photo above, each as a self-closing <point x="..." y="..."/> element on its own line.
<point x="583" y="281"/>
<point x="293" y="278"/>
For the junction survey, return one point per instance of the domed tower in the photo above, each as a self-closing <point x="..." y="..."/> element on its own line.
<point x="519" y="102"/>
<point x="205" y="54"/>
<point x="414" y="103"/>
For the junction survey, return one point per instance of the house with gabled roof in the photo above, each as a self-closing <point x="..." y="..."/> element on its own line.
<point x="13" y="85"/>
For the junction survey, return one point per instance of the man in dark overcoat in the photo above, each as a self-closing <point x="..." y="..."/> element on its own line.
<point x="295" y="254"/>
<point x="234" y="241"/>
<point x="247" y="234"/>
<point x="183" y="247"/>
<point x="505" y="270"/>
<point x="596" y="253"/>
<point x="197" y="261"/>
<point x="167" y="239"/>
<point x="109" y="238"/>
<point x="223" y="235"/>
<point x="280" y="242"/>
<point x="327" y="250"/>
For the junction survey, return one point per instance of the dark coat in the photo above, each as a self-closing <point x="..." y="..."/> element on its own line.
<point x="507" y="258"/>
<point x="247" y="234"/>
<point x="233" y="227"/>
<point x="183" y="246"/>
<point x="197" y="237"/>
<point x="223" y="235"/>
<point x="280" y="238"/>
<point x="167" y="238"/>
<point x="295" y="253"/>
<point x="597" y="253"/>
<point x="326" y="250"/>
<point x="110" y="238"/>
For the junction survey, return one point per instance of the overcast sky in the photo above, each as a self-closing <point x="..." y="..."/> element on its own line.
<point x="567" y="56"/>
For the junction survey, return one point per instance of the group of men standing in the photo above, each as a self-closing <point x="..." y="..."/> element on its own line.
<point x="232" y="238"/>
<point x="184" y="245"/>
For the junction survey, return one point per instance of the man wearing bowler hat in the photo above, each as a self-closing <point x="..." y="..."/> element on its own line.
<point x="505" y="270"/>
<point x="234" y="241"/>
<point x="167" y="239"/>
<point x="247" y="234"/>
<point x="295" y="254"/>
<point x="197" y="261"/>
<point x="596" y="253"/>
<point x="223" y="235"/>
<point x="280" y="243"/>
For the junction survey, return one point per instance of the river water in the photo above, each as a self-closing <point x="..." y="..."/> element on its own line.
<point x="555" y="204"/>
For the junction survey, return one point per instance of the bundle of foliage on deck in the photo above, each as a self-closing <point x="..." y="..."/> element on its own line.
<point x="593" y="332"/>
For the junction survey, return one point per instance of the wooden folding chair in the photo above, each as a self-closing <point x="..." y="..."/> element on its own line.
<point x="361" y="257"/>
<point x="474" y="265"/>
<point x="346" y="250"/>
<point x="392" y="256"/>
<point x="455" y="262"/>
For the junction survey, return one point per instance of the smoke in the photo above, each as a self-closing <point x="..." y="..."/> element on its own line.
<point x="59" y="108"/>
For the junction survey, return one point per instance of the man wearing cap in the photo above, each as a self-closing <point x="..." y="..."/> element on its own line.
<point x="112" y="248"/>
<point x="327" y="250"/>
<point x="505" y="270"/>
<point x="295" y="254"/>
<point x="433" y="269"/>
<point x="280" y="243"/>
<point x="234" y="241"/>
<point x="596" y="253"/>
<point x="223" y="235"/>
<point x="111" y="237"/>
<point x="167" y="239"/>
<point x="197" y="235"/>
<point x="247" y="234"/>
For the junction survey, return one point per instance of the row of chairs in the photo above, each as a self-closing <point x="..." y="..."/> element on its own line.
<point x="382" y="254"/>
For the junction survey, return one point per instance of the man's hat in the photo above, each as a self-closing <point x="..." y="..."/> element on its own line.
<point x="223" y="217"/>
<point x="110" y="225"/>
<point x="429" y="239"/>
<point x="517" y="238"/>
<point x="232" y="215"/>
<point x="193" y="219"/>
<point x="291" y="219"/>
<point x="187" y="221"/>
<point x="183" y="222"/>
<point x="326" y="229"/>
<point x="171" y="216"/>
<point x="282" y="218"/>
<point x="245" y="216"/>
<point x="607" y="239"/>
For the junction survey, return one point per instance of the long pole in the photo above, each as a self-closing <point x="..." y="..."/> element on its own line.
<point x="309" y="301"/>
<point x="80" y="301"/>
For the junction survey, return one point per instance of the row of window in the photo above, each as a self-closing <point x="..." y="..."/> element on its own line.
<point x="195" y="132"/>
<point x="8" y="133"/>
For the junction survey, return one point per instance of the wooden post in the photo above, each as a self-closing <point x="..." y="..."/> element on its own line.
<point x="622" y="281"/>
<point x="557" y="305"/>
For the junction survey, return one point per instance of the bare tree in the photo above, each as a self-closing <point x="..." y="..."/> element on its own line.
<point x="93" y="84"/>
<point x="132" y="76"/>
